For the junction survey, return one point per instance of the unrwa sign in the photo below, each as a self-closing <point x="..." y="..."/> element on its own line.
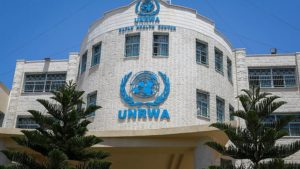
<point x="134" y="114"/>
<point x="145" y="96"/>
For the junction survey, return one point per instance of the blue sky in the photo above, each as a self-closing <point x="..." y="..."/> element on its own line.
<point x="35" y="29"/>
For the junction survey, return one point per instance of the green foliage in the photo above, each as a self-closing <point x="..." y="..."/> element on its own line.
<point x="60" y="137"/>
<point x="257" y="141"/>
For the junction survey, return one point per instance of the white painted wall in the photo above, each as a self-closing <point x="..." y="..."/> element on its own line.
<point x="186" y="76"/>
<point x="20" y="102"/>
<point x="291" y="95"/>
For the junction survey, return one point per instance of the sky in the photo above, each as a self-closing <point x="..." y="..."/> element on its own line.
<point x="36" y="29"/>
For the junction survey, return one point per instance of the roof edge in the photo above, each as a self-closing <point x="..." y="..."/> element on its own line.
<point x="122" y="8"/>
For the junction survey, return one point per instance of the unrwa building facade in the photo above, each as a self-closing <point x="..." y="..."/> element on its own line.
<point x="162" y="74"/>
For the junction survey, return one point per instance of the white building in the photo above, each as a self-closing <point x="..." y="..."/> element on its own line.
<point x="194" y="76"/>
<point x="4" y="96"/>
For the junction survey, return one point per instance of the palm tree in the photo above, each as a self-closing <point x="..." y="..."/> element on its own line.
<point x="60" y="141"/>
<point x="257" y="140"/>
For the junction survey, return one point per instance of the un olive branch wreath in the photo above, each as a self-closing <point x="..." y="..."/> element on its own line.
<point x="160" y="99"/>
<point x="155" y="12"/>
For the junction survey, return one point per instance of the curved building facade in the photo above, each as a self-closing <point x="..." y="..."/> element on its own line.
<point x="178" y="62"/>
<point x="162" y="74"/>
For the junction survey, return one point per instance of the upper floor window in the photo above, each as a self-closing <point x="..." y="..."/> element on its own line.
<point x="161" y="45"/>
<point x="96" y="54"/>
<point x="218" y="60"/>
<point x="132" y="45"/>
<point x="272" y="77"/>
<point x="220" y="110"/>
<point x="83" y="63"/>
<point x="201" y="52"/>
<point x="229" y="69"/>
<point x="293" y="128"/>
<point x="202" y="104"/>
<point x="92" y="100"/>
<point x="26" y="122"/>
<point x="43" y="82"/>
<point x="231" y="110"/>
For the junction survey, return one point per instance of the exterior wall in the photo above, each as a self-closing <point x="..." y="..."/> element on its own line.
<point x="4" y="99"/>
<point x="186" y="76"/>
<point x="21" y="102"/>
<point x="290" y="95"/>
<point x="4" y="96"/>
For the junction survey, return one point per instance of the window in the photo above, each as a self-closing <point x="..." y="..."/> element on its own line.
<point x="161" y="45"/>
<point x="231" y="110"/>
<point x="229" y="69"/>
<point x="26" y="123"/>
<point x="293" y="128"/>
<point x="92" y="100"/>
<point x="202" y="104"/>
<point x="272" y="77"/>
<point x="218" y="60"/>
<point x="220" y="110"/>
<point x="96" y="54"/>
<point x="201" y="52"/>
<point x="83" y="62"/>
<point x="132" y="45"/>
<point x="226" y="163"/>
<point x="35" y="83"/>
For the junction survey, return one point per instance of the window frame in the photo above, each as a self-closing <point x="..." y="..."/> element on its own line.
<point x="223" y="101"/>
<point x="207" y="52"/>
<point x="93" y="63"/>
<point x="84" y="55"/>
<point x="229" y="70"/>
<point x="270" y="78"/>
<point x="161" y="43"/>
<point x="200" y="115"/>
<point x="221" y="70"/>
<point x="288" y="127"/>
<point x="33" y="125"/>
<point x="132" y="44"/>
<point x="45" y="82"/>
<point x="88" y="102"/>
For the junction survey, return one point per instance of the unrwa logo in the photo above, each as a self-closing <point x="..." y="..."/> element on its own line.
<point x="144" y="93"/>
<point x="147" y="7"/>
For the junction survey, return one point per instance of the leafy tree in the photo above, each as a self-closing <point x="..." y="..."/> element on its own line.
<point x="257" y="140"/>
<point x="60" y="141"/>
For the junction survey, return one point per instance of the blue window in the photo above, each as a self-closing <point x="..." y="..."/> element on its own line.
<point x="293" y="128"/>
<point x="132" y="45"/>
<point x="201" y="52"/>
<point x="272" y="77"/>
<point x="219" y="60"/>
<point x="96" y="54"/>
<point x="92" y="100"/>
<point x="220" y="110"/>
<point x="43" y="82"/>
<point x="229" y="69"/>
<point x="83" y="63"/>
<point x="231" y="110"/>
<point x="160" y="45"/>
<point x="202" y="104"/>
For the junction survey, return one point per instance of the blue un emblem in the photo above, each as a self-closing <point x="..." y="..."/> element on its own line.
<point x="147" y="7"/>
<point x="145" y="86"/>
